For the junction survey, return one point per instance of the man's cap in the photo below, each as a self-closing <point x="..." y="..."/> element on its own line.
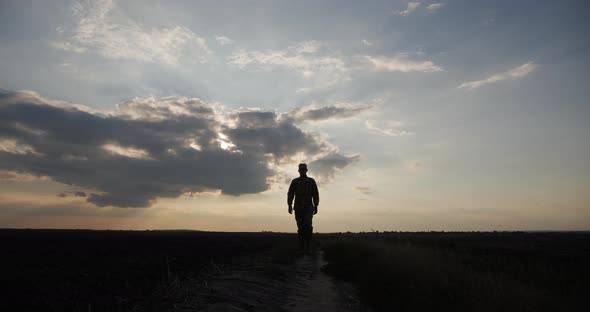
<point x="302" y="166"/>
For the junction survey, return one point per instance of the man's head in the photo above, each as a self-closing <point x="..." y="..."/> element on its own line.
<point x="302" y="169"/>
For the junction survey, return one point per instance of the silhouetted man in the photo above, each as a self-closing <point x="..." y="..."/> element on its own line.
<point x="307" y="198"/>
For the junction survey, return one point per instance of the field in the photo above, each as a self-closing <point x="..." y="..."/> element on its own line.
<point x="71" y="270"/>
<point x="76" y="270"/>
<point x="464" y="271"/>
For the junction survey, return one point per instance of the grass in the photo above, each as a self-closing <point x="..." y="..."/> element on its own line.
<point x="193" y="293"/>
<point x="72" y="270"/>
<point x="403" y="275"/>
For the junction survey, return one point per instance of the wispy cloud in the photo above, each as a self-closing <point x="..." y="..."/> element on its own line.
<point x="223" y="40"/>
<point x="402" y="63"/>
<point x="333" y="112"/>
<point x="513" y="74"/>
<point x="392" y="129"/>
<point x="98" y="28"/>
<point x="310" y="46"/>
<point x="412" y="6"/>
<point x="323" y="70"/>
<point x="432" y="8"/>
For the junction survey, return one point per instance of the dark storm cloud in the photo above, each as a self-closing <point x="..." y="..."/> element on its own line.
<point x="270" y="134"/>
<point x="255" y="119"/>
<point x="72" y="193"/>
<point x="150" y="148"/>
<point x="327" y="166"/>
<point x="308" y="113"/>
<point x="67" y="144"/>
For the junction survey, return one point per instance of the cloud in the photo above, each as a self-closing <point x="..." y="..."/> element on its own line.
<point x="412" y="6"/>
<point x="18" y="177"/>
<point x="331" y="112"/>
<point x="321" y="70"/>
<point x="98" y="27"/>
<point x="391" y="129"/>
<point x="73" y="193"/>
<point x="15" y="147"/>
<point x="68" y="46"/>
<point x="311" y="46"/>
<point x="326" y="167"/>
<point x="402" y="63"/>
<point x="513" y="74"/>
<point x="223" y="40"/>
<point x="151" y="148"/>
<point x="367" y="42"/>
<point x="301" y="59"/>
<point x="432" y="8"/>
<point x="267" y="134"/>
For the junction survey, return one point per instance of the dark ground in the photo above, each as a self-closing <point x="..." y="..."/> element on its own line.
<point x="465" y="271"/>
<point x="76" y="270"/>
<point x="70" y="270"/>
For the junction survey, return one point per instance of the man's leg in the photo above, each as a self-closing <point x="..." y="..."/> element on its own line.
<point x="300" y="227"/>
<point x="307" y="228"/>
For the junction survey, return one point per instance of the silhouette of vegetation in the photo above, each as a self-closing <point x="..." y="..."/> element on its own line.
<point x="463" y="271"/>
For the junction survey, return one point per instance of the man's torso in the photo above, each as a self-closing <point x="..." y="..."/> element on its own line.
<point x="304" y="187"/>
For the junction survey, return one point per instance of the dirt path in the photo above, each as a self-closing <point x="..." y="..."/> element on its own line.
<point x="297" y="287"/>
<point x="313" y="290"/>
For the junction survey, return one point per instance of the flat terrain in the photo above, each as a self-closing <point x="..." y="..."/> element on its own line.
<point x="464" y="271"/>
<point x="76" y="270"/>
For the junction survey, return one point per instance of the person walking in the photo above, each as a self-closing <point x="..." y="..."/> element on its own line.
<point x="305" y="192"/>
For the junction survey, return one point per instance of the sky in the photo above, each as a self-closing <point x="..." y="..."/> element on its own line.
<point x="411" y="115"/>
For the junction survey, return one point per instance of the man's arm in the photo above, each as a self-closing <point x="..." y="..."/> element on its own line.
<point x="290" y="196"/>
<point x="315" y="195"/>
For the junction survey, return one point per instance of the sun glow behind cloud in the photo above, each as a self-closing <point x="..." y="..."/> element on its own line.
<point x="14" y="147"/>
<point x="127" y="151"/>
